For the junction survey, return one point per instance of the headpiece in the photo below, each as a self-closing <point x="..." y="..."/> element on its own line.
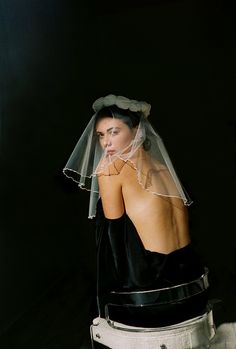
<point x="146" y="154"/>
<point x="122" y="103"/>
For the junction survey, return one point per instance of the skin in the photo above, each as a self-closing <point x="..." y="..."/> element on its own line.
<point x="114" y="135"/>
<point x="162" y="223"/>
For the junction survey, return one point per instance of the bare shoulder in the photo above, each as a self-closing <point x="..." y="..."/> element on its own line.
<point x="105" y="168"/>
<point x="110" y="188"/>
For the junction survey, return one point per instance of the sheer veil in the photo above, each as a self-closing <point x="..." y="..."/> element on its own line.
<point x="146" y="154"/>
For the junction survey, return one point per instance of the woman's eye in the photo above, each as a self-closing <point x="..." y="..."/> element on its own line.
<point x="114" y="132"/>
<point x="100" y="136"/>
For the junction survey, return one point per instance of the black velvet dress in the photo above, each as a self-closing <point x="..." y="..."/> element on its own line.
<point x="125" y="266"/>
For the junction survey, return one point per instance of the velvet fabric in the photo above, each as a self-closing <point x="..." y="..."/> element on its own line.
<point x="124" y="265"/>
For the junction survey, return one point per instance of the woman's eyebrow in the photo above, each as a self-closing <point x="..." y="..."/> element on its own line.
<point x="113" y="128"/>
<point x="109" y="129"/>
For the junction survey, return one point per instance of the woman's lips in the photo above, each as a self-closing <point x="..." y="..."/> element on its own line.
<point x="110" y="152"/>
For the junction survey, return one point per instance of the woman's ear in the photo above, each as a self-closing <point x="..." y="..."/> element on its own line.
<point x="138" y="133"/>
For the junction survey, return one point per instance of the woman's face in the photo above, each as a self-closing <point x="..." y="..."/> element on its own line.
<point x="114" y="135"/>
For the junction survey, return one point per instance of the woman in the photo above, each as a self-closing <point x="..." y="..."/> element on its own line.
<point x="148" y="273"/>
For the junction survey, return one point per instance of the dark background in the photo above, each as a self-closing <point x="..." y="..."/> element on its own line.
<point x="56" y="58"/>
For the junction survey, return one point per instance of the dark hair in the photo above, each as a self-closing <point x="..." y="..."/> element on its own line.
<point x="130" y="118"/>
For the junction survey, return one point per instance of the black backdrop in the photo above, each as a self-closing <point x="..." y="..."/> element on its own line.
<point x="57" y="57"/>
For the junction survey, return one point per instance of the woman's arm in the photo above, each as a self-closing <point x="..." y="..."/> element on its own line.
<point x="110" y="188"/>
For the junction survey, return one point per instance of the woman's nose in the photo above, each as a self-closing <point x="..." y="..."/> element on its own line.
<point x="107" y="141"/>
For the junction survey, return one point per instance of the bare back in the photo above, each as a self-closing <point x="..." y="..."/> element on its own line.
<point x="161" y="222"/>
